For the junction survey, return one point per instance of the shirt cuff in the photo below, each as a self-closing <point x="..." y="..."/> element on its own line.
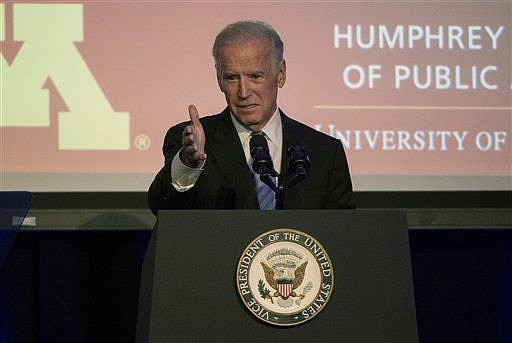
<point x="183" y="177"/>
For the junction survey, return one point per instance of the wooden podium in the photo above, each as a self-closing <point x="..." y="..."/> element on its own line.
<point x="188" y="290"/>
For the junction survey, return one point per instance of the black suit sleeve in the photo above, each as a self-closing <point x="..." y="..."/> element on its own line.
<point x="339" y="188"/>
<point x="162" y="194"/>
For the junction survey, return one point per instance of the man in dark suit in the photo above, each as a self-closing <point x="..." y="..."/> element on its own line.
<point x="207" y="160"/>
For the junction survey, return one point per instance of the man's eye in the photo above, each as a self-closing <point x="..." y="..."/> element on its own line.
<point x="231" y="77"/>
<point x="256" y="76"/>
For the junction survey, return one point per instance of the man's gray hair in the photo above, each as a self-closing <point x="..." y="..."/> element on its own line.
<point x="244" y="31"/>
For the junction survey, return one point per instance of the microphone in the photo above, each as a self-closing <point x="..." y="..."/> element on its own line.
<point x="298" y="165"/>
<point x="262" y="162"/>
<point x="299" y="160"/>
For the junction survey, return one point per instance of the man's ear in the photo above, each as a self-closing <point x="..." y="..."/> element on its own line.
<point x="219" y="78"/>
<point x="281" y="74"/>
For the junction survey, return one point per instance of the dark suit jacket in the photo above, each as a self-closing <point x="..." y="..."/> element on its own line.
<point x="226" y="182"/>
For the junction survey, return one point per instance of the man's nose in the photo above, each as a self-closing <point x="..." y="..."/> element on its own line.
<point x="244" y="88"/>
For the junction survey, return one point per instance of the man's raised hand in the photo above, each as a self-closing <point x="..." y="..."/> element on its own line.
<point x="193" y="141"/>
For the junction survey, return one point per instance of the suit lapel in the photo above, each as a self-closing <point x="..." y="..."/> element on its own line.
<point x="290" y="137"/>
<point x="231" y="159"/>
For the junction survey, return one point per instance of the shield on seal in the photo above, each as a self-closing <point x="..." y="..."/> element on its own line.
<point x="284" y="289"/>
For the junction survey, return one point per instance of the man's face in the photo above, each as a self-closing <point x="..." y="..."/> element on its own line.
<point x="249" y="82"/>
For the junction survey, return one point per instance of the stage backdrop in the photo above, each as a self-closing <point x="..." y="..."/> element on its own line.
<point x="418" y="92"/>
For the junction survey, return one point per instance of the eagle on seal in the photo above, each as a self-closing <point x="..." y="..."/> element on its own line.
<point x="284" y="279"/>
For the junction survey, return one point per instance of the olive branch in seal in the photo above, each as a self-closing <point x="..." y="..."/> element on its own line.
<point x="264" y="292"/>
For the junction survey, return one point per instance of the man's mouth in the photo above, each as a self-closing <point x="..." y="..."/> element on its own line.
<point x="247" y="107"/>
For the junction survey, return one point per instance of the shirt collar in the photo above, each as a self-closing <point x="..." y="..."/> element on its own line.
<point x="272" y="128"/>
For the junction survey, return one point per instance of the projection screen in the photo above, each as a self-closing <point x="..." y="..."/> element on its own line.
<point x="418" y="92"/>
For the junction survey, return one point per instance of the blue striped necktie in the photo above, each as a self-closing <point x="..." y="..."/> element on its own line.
<point x="265" y="194"/>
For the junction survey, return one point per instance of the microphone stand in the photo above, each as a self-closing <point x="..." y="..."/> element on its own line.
<point x="285" y="183"/>
<point x="298" y="165"/>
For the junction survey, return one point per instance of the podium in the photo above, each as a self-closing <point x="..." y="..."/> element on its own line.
<point x="188" y="286"/>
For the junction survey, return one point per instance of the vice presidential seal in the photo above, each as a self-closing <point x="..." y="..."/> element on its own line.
<point x="285" y="277"/>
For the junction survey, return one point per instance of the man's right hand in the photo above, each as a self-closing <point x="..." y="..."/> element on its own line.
<point x="193" y="140"/>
